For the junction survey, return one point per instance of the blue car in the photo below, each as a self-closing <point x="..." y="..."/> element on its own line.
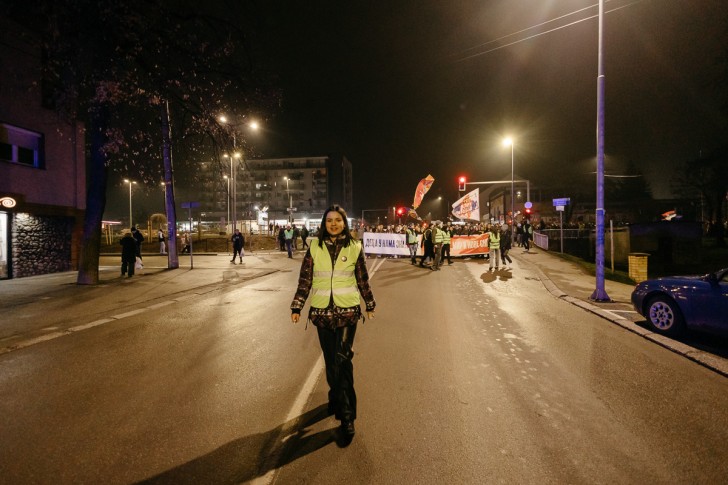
<point x="674" y="304"/>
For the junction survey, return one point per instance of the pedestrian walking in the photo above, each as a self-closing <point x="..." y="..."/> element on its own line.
<point x="296" y="235"/>
<point x="506" y="247"/>
<point x="412" y="242"/>
<point x="281" y="238"/>
<point x="161" y="238"/>
<point x="238" y="241"/>
<point x="427" y="244"/>
<point x="304" y="237"/>
<point x="335" y="268"/>
<point x="185" y="243"/>
<point x="437" y="240"/>
<point x="527" y="235"/>
<point x="494" y="247"/>
<point x="447" y="234"/>
<point x="128" y="254"/>
<point x="288" y="238"/>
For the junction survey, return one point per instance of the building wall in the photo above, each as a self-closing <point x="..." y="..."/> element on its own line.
<point x="41" y="244"/>
<point x="49" y="196"/>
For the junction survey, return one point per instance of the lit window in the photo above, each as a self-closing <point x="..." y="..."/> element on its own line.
<point x="20" y="146"/>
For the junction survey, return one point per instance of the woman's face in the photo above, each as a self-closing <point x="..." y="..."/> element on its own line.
<point x="334" y="223"/>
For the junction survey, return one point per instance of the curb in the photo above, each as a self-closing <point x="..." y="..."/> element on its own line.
<point x="708" y="360"/>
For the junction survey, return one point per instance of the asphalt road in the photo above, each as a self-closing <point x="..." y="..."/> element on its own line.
<point x="464" y="377"/>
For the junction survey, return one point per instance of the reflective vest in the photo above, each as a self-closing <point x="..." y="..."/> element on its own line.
<point x="437" y="235"/>
<point x="445" y="237"/>
<point x="339" y="280"/>
<point x="494" y="239"/>
<point x="411" y="237"/>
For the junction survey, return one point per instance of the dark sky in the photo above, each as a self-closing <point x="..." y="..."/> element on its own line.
<point x="390" y="86"/>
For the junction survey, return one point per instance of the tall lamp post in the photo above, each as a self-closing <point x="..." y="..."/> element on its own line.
<point x="600" y="293"/>
<point x="290" y="200"/>
<point x="509" y="142"/>
<point x="130" y="182"/>
<point x="227" y="221"/>
<point x="253" y="125"/>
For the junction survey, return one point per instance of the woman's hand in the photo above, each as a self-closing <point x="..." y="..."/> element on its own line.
<point x="295" y="317"/>
<point x="370" y="315"/>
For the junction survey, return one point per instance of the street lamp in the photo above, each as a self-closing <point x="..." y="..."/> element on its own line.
<point x="227" y="221"/>
<point x="290" y="200"/>
<point x="253" y="125"/>
<point x="509" y="142"/>
<point x="130" y="182"/>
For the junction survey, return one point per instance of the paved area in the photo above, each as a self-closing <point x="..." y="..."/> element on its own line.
<point x="18" y="297"/>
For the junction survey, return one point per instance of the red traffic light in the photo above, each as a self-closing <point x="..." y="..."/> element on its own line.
<point x="400" y="211"/>
<point x="461" y="183"/>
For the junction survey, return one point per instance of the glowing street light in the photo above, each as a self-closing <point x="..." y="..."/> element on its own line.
<point x="130" y="182"/>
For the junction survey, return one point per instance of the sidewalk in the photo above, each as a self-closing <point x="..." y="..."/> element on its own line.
<point x="571" y="283"/>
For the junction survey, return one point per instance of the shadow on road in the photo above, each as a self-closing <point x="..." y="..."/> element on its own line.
<point x="253" y="456"/>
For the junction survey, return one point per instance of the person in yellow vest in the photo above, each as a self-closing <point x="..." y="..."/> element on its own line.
<point x="437" y="240"/>
<point x="334" y="273"/>
<point x="494" y="246"/>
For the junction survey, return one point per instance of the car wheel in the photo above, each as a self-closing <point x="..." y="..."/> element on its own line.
<point x="664" y="316"/>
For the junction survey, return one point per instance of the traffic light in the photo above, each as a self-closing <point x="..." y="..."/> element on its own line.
<point x="461" y="184"/>
<point x="527" y="212"/>
<point x="400" y="211"/>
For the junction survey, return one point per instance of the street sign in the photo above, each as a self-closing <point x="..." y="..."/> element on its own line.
<point x="292" y="209"/>
<point x="528" y="205"/>
<point x="560" y="208"/>
<point x="190" y="205"/>
<point x="562" y="201"/>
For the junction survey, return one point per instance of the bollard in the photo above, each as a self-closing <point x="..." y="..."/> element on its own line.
<point x="638" y="266"/>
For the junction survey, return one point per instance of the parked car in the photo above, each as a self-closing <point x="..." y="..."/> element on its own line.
<point x="674" y="304"/>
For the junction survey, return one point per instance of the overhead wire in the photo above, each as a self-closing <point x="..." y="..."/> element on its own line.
<point x="540" y="33"/>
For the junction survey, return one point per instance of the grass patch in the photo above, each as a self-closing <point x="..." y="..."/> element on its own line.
<point x="591" y="268"/>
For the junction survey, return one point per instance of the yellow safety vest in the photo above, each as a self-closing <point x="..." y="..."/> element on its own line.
<point x="494" y="238"/>
<point x="339" y="280"/>
<point x="445" y="237"/>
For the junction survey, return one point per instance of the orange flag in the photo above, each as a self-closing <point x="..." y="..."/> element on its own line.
<point x="422" y="189"/>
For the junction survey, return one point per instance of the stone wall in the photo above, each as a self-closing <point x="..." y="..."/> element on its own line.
<point x="41" y="244"/>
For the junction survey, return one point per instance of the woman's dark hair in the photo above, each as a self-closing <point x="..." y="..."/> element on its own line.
<point x="323" y="233"/>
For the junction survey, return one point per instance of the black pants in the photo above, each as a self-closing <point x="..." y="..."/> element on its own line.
<point x="127" y="266"/>
<point x="446" y="252"/>
<point x="238" y="252"/>
<point x="336" y="347"/>
<point x="504" y="256"/>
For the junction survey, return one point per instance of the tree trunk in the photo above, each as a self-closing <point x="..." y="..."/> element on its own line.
<point x="88" y="266"/>
<point x="172" y="257"/>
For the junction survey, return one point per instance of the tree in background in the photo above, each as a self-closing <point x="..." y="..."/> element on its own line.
<point x="126" y="68"/>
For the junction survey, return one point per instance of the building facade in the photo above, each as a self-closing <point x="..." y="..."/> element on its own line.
<point x="42" y="168"/>
<point x="276" y="191"/>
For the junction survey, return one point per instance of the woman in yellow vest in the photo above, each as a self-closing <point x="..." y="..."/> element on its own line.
<point x="334" y="273"/>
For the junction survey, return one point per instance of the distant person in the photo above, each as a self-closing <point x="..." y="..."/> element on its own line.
<point x="161" y="238"/>
<point x="238" y="243"/>
<point x="288" y="238"/>
<point x="128" y="254"/>
<point x="412" y="242"/>
<point x="336" y="308"/>
<point x="527" y="235"/>
<point x="506" y="246"/>
<point x="447" y="235"/>
<point x="296" y="235"/>
<point x="185" y="243"/>
<point x="281" y="238"/>
<point x="494" y="239"/>
<point x="304" y="237"/>
<point x="139" y="239"/>
<point x="427" y="244"/>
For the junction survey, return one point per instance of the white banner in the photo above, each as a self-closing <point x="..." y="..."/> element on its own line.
<point x="385" y="243"/>
<point x="468" y="207"/>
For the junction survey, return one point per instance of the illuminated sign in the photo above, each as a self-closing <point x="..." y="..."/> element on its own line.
<point x="7" y="202"/>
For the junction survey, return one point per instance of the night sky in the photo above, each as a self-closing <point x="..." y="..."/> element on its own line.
<point x="403" y="88"/>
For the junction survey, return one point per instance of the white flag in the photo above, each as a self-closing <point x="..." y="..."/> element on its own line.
<point x="468" y="207"/>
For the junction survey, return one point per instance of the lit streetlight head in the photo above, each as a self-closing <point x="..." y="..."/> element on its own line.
<point x="224" y="176"/>
<point x="237" y="155"/>
<point x="222" y="118"/>
<point x="254" y="125"/>
<point x="507" y="142"/>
